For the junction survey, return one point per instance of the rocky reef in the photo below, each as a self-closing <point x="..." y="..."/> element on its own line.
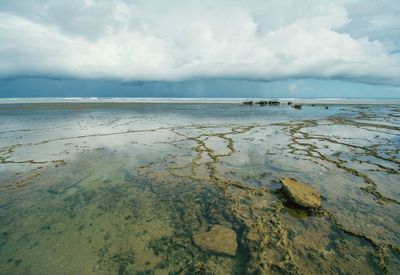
<point x="301" y="193"/>
<point x="219" y="239"/>
<point x="194" y="189"/>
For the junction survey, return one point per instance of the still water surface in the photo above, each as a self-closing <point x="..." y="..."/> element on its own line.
<point x="122" y="188"/>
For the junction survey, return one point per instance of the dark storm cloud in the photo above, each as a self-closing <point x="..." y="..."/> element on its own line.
<point x="175" y="40"/>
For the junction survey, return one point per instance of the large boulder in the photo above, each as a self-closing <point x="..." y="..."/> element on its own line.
<point x="301" y="193"/>
<point x="219" y="239"/>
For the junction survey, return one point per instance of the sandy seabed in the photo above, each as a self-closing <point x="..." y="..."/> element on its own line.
<point x="122" y="188"/>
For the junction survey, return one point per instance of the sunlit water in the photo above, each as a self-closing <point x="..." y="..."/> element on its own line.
<point x="121" y="188"/>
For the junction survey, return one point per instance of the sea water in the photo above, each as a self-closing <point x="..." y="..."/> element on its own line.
<point x="121" y="187"/>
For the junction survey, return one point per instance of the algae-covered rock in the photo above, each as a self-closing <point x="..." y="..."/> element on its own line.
<point x="219" y="240"/>
<point x="301" y="193"/>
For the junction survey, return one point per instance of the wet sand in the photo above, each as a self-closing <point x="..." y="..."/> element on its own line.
<point x="122" y="188"/>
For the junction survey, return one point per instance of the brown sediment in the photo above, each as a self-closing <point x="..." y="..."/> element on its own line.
<point x="7" y="151"/>
<point x="364" y="124"/>
<point x="5" y="154"/>
<point x="201" y="148"/>
<point x="266" y="236"/>
<point x="381" y="249"/>
<point x="368" y="150"/>
<point x="312" y="152"/>
<point x="268" y="243"/>
<point x="20" y="183"/>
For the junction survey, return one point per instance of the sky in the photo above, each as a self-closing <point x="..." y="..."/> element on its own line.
<point x="209" y="48"/>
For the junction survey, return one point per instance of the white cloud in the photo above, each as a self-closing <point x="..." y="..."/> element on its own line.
<point x="160" y="40"/>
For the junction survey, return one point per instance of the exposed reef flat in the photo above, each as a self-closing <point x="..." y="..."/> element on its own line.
<point x="139" y="189"/>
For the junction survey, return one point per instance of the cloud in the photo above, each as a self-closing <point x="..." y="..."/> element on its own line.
<point x="175" y="40"/>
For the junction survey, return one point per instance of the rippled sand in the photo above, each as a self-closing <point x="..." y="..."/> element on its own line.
<point x="121" y="188"/>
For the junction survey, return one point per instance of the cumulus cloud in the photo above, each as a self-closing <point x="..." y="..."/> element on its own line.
<point x="175" y="40"/>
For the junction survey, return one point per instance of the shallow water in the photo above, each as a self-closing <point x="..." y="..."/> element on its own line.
<point x="121" y="188"/>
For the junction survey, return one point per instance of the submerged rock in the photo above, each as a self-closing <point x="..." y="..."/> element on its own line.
<point x="219" y="239"/>
<point x="301" y="193"/>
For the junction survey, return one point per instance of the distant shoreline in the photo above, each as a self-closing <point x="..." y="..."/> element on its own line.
<point x="336" y="101"/>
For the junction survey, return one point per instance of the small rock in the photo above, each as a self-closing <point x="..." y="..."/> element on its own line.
<point x="250" y="103"/>
<point x="273" y="102"/>
<point x="219" y="239"/>
<point x="301" y="193"/>
<point x="297" y="106"/>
